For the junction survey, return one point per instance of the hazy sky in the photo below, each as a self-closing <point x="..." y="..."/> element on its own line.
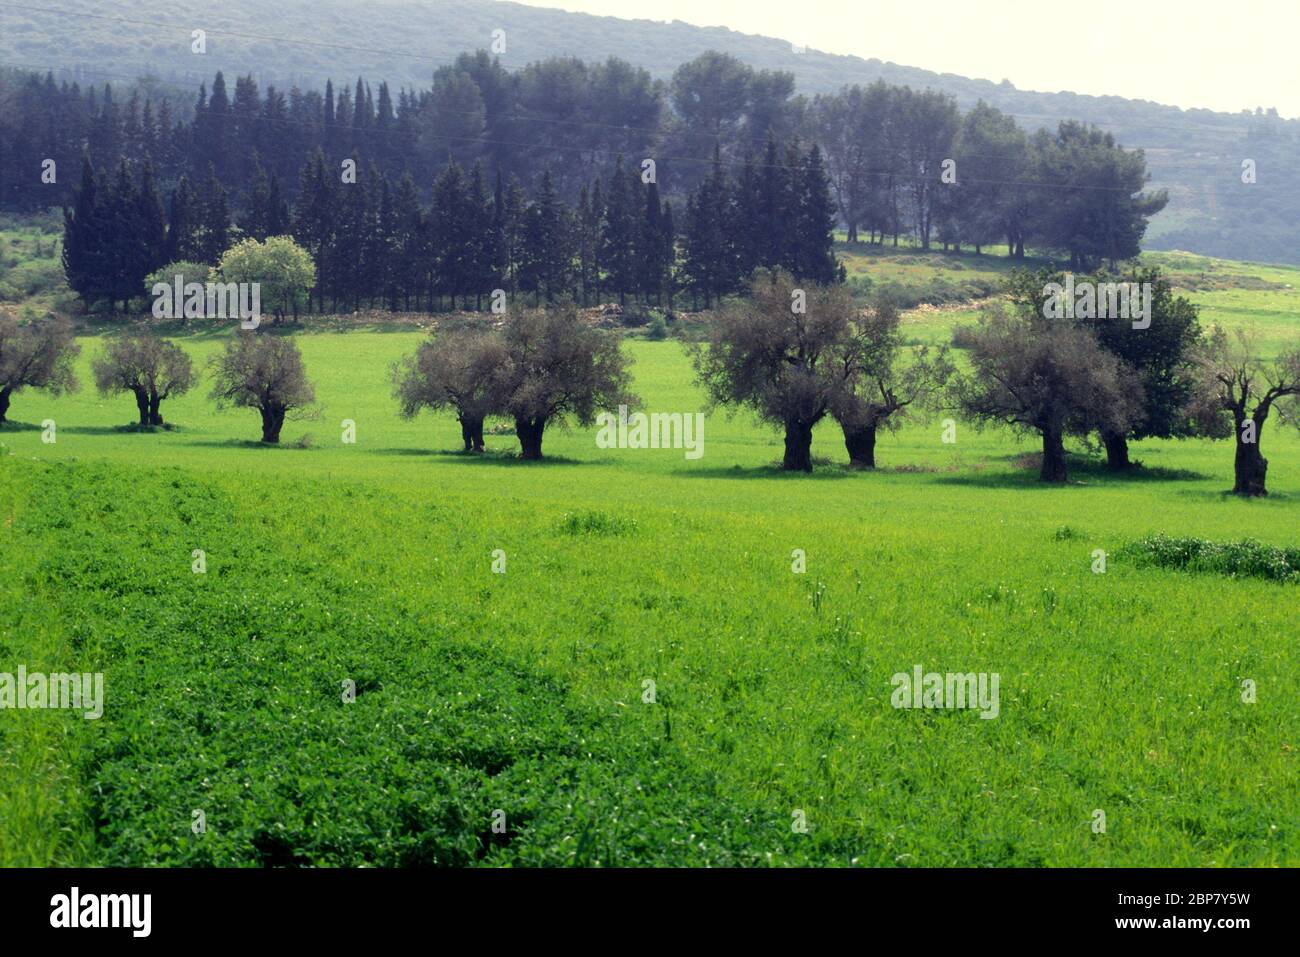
<point x="1219" y="55"/>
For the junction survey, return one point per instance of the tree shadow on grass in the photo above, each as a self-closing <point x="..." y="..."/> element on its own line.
<point x="130" y="429"/>
<point x="482" y="458"/>
<point x="12" y="426"/>
<point x="1096" y="469"/>
<point x="249" y="444"/>
<point x="819" y="472"/>
<point x="1082" y="470"/>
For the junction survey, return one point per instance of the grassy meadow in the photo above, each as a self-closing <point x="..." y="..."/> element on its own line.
<point x="526" y="692"/>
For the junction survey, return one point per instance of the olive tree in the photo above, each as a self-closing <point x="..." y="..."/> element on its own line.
<point x="880" y="388"/>
<point x="150" y="368"/>
<point x="1248" y="388"/>
<point x="1045" y="377"/>
<point x="780" y="353"/>
<point x="263" y="372"/>
<point x="462" y="370"/>
<point x="38" y="355"/>
<point x="558" y="369"/>
<point x="1161" y="351"/>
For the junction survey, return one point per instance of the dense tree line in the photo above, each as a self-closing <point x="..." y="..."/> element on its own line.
<point x="897" y="161"/>
<point x="374" y="243"/>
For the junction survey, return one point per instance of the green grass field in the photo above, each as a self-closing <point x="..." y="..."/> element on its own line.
<point x="524" y="692"/>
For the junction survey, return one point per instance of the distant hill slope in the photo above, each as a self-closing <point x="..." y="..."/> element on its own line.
<point x="1196" y="154"/>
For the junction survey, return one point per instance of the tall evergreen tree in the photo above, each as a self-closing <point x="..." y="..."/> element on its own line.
<point x="548" y="257"/>
<point x="814" y="232"/>
<point x="620" y="233"/>
<point x="449" y="228"/>
<point x="215" y="231"/>
<point x="85" y="239"/>
<point x="184" y="223"/>
<point x="313" y="218"/>
<point x="651" y="250"/>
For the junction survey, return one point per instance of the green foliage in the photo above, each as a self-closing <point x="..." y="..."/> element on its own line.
<point x="187" y="272"/>
<point x="284" y="269"/>
<point x="1248" y="558"/>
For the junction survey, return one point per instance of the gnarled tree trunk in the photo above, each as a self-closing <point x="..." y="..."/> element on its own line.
<point x="1116" y="443"/>
<point x="471" y="431"/>
<point x="1250" y="467"/>
<point x="530" y="437"/>
<point x="155" y="417"/>
<point x="798" y="447"/>
<point x="5" y="393"/>
<point x="142" y="405"/>
<point x="1053" y="456"/>
<point x="272" y="422"/>
<point x="861" y="443"/>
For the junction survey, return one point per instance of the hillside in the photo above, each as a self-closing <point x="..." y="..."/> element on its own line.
<point x="1196" y="154"/>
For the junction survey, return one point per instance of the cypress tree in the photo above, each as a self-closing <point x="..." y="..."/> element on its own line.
<point x="313" y="218"/>
<point x="774" y="218"/>
<point x="150" y="227"/>
<point x="547" y="244"/>
<point x="481" y="268"/>
<point x="619" y="235"/>
<point x="215" y="232"/>
<point x="83" y="238"/>
<point x="449" y="229"/>
<point x="254" y="222"/>
<point x="277" y="210"/>
<point x="815" y="222"/>
<point x="650" y="247"/>
<point x="183" y="223"/>
<point x="120" y="208"/>
<point x="408" y="240"/>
